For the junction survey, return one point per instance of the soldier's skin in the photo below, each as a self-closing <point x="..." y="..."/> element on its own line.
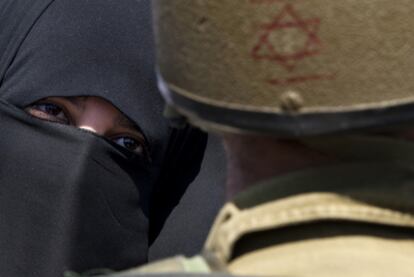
<point x="254" y="158"/>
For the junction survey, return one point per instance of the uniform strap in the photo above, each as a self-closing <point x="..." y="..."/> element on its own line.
<point x="233" y="223"/>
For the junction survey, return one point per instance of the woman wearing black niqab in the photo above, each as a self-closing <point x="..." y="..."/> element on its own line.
<point x="70" y="199"/>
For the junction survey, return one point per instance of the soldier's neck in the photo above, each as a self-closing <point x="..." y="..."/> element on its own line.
<point x="251" y="159"/>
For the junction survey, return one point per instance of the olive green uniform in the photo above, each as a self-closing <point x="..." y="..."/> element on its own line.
<point x="298" y="69"/>
<point x="351" y="218"/>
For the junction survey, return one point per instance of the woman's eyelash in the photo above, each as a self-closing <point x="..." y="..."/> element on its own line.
<point x="49" y="111"/>
<point x="132" y="144"/>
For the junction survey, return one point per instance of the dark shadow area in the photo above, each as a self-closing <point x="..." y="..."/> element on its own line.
<point x="188" y="225"/>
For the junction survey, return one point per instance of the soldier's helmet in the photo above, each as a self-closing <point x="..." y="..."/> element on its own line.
<point x="287" y="67"/>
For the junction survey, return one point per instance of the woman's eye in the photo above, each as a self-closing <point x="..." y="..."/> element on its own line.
<point x="48" y="111"/>
<point x="130" y="144"/>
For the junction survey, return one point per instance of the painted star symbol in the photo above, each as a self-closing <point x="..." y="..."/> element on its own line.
<point x="288" y="39"/>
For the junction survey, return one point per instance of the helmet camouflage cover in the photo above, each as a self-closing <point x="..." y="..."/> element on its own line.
<point x="287" y="67"/>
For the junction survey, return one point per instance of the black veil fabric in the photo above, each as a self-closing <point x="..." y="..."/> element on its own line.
<point x="71" y="200"/>
<point x="68" y="200"/>
<point x="96" y="47"/>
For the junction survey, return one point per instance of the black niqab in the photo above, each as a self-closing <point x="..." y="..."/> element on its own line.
<point x="71" y="200"/>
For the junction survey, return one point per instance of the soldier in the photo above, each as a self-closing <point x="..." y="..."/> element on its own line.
<point x="314" y="101"/>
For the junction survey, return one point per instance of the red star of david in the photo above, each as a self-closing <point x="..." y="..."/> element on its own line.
<point x="288" y="20"/>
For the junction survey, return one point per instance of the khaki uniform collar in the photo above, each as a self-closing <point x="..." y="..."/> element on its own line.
<point x="374" y="184"/>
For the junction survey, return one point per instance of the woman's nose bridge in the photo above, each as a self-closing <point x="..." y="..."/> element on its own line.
<point x="97" y="116"/>
<point x="94" y="123"/>
<point x="89" y="128"/>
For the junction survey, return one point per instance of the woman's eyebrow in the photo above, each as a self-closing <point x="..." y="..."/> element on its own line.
<point x="78" y="102"/>
<point x="122" y="121"/>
